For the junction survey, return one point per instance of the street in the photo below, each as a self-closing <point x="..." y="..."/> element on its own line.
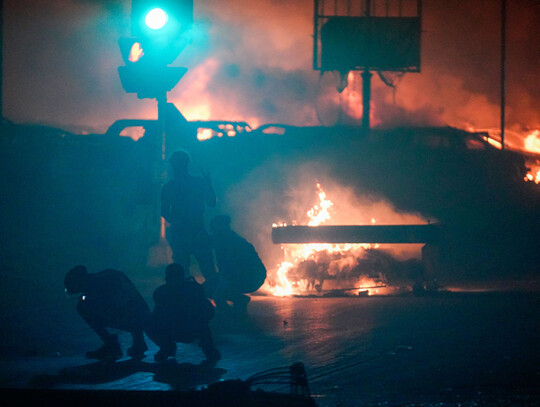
<point x="448" y="348"/>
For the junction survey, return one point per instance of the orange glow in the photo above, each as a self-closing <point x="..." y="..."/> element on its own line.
<point x="532" y="142"/>
<point x="493" y="142"/>
<point x="320" y="213"/>
<point x="533" y="175"/>
<point x="135" y="53"/>
<point x="291" y="277"/>
<point x="514" y="140"/>
<point x="204" y="134"/>
<point x="134" y="133"/>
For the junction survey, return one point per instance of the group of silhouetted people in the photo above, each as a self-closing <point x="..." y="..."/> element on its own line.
<point x="182" y="309"/>
<point x="108" y="299"/>
<point x="240" y="270"/>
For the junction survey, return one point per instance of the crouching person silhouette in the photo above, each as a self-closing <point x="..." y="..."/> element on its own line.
<point x="241" y="270"/>
<point x="181" y="314"/>
<point x="108" y="299"/>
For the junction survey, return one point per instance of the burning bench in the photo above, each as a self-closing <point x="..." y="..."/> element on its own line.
<point x="429" y="234"/>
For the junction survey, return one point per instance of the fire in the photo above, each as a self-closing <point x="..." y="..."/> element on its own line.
<point x="495" y="143"/>
<point x="517" y="141"/>
<point x="533" y="175"/>
<point x="514" y="140"/>
<point x="532" y="142"/>
<point x="307" y="267"/>
<point x="320" y="213"/>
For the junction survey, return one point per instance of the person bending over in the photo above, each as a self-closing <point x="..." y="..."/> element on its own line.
<point x="108" y="299"/>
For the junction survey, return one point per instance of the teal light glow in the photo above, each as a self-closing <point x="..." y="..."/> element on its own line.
<point x="156" y="19"/>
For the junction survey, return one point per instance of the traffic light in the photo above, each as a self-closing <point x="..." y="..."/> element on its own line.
<point x="165" y="17"/>
<point x="160" y="31"/>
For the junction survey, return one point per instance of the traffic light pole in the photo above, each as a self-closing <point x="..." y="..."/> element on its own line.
<point x="161" y="105"/>
<point x="159" y="32"/>
<point x="1" y="57"/>
<point x="160" y="252"/>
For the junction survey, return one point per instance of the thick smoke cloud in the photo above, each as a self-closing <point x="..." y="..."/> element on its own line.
<point x="283" y="191"/>
<point x="253" y="61"/>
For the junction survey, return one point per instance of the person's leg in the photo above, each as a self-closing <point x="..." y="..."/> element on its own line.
<point x="241" y="302"/>
<point x="166" y="350"/>
<point x="159" y="332"/>
<point x="180" y="247"/>
<point x="207" y="345"/>
<point x="203" y="254"/>
<point x="135" y="321"/>
<point x="111" y="347"/>
<point x="139" y="347"/>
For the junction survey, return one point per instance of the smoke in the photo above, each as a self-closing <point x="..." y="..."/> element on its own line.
<point x="282" y="191"/>
<point x="253" y="61"/>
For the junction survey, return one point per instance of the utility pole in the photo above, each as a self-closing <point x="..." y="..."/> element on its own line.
<point x="366" y="80"/>
<point x="503" y="70"/>
<point x="1" y="58"/>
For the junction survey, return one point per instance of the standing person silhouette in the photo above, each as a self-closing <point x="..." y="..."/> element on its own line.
<point x="183" y="201"/>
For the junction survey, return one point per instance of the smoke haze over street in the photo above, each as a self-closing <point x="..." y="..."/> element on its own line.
<point x="252" y="61"/>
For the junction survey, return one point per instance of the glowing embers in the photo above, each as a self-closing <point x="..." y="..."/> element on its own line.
<point x="534" y="174"/>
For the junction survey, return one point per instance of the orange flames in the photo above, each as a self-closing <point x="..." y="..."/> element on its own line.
<point x="307" y="267"/>
<point x="529" y="143"/>
<point x="532" y="144"/>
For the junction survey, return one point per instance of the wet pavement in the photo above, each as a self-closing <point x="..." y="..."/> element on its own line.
<point x="449" y="349"/>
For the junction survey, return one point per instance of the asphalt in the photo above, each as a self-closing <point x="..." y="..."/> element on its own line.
<point x="449" y="349"/>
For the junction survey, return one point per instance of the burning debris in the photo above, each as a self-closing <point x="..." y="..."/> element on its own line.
<point x="338" y="269"/>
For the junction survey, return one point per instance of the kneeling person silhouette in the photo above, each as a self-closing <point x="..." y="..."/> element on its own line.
<point x="108" y="299"/>
<point x="181" y="314"/>
<point x="241" y="270"/>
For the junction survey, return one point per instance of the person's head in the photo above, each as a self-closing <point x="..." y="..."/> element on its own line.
<point x="75" y="280"/>
<point x="220" y="224"/>
<point x="179" y="162"/>
<point x="174" y="273"/>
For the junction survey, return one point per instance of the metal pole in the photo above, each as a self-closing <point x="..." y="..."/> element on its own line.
<point x="1" y="58"/>
<point x="366" y="80"/>
<point x="315" y="33"/>
<point x="366" y="98"/>
<point x="503" y="70"/>
<point x="162" y="105"/>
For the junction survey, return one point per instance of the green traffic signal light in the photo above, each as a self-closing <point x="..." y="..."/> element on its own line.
<point x="160" y="30"/>
<point x="156" y="18"/>
<point x="167" y="19"/>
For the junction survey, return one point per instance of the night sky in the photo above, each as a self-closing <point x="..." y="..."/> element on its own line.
<point x="252" y="61"/>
